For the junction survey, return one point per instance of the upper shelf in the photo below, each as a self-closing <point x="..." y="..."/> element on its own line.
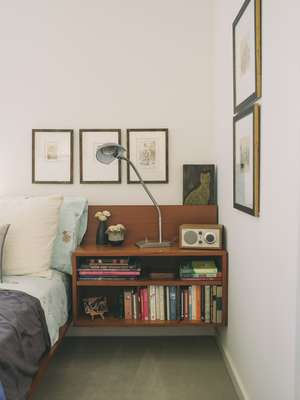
<point x="91" y="250"/>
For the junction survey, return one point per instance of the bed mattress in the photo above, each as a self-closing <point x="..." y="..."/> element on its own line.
<point x="53" y="293"/>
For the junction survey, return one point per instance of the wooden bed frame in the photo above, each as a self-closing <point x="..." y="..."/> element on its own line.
<point x="46" y="360"/>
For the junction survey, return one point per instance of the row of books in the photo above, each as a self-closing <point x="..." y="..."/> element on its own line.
<point x="109" y="269"/>
<point x="171" y="303"/>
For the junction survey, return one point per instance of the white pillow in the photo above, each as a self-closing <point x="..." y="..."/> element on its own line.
<point x="33" y="227"/>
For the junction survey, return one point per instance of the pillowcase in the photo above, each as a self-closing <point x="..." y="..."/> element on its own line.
<point x="73" y="218"/>
<point x="3" y="233"/>
<point x="30" y="239"/>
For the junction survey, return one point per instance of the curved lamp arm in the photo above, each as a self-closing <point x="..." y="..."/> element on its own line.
<point x="148" y="193"/>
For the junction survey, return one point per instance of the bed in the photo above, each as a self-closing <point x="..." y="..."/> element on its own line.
<point x="34" y="310"/>
<point x="53" y="295"/>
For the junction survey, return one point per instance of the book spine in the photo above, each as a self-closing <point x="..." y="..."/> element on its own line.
<point x="219" y="304"/>
<point x="141" y="300"/>
<point x="134" y="305"/>
<point x="112" y="273"/>
<point x="128" y="304"/>
<point x="198" y="303"/>
<point x="207" y="304"/>
<point x="168" y="302"/>
<point x="186" y="303"/>
<point x="181" y="303"/>
<point x="157" y="304"/>
<point x="214" y="305"/>
<point x="146" y="305"/>
<point x="173" y="303"/>
<point x="161" y="303"/>
<point x="194" y="303"/>
<point x="190" y="303"/>
<point x="202" y="303"/>
<point x="152" y="302"/>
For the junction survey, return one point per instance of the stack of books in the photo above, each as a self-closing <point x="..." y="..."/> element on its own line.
<point x="171" y="303"/>
<point x="199" y="270"/>
<point x="109" y="269"/>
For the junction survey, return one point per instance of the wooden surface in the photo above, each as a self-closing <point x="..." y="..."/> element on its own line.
<point x="114" y="322"/>
<point x="90" y="250"/>
<point x="147" y="282"/>
<point x="141" y="221"/>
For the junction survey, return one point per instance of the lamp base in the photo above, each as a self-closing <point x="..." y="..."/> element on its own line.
<point x="148" y="244"/>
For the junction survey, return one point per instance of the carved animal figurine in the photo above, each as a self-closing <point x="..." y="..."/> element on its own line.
<point x="95" y="306"/>
<point x="201" y="194"/>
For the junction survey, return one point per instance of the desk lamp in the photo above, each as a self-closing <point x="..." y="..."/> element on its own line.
<point x="109" y="152"/>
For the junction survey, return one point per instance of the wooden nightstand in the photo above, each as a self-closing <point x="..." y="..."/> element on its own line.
<point x="140" y="222"/>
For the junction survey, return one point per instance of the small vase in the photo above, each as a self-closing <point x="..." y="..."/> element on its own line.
<point x="101" y="236"/>
<point x="116" y="238"/>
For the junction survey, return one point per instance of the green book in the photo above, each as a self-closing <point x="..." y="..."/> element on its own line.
<point x="203" y="264"/>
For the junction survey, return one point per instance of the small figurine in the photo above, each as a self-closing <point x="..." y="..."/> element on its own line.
<point x="95" y="306"/>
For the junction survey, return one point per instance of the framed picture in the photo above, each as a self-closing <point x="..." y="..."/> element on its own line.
<point x="246" y="154"/>
<point x="247" y="55"/>
<point x="199" y="185"/>
<point x="148" y="150"/>
<point x="91" y="170"/>
<point x="52" y="156"/>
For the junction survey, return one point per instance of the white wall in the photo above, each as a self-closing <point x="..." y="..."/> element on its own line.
<point x="260" y="339"/>
<point x="105" y="64"/>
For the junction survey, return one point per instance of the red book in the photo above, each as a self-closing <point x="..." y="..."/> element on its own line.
<point x="146" y="305"/>
<point x="198" y="303"/>
<point x="141" y="303"/>
<point x="111" y="273"/>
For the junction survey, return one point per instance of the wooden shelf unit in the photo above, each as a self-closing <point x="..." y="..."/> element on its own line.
<point x="175" y="253"/>
<point x="132" y="217"/>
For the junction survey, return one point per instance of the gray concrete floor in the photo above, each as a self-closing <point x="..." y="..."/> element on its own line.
<point x="165" y="368"/>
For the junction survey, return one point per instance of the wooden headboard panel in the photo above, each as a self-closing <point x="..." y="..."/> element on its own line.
<point x="141" y="221"/>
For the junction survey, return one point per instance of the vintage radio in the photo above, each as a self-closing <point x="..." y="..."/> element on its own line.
<point x="198" y="236"/>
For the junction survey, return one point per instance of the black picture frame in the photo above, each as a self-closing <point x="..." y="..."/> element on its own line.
<point x="241" y="182"/>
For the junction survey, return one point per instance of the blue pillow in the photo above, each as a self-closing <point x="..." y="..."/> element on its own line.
<point x="3" y="233"/>
<point x="71" y="229"/>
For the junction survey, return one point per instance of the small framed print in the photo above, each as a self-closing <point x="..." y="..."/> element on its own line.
<point x="91" y="170"/>
<point x="246" y="160"/>
<point x="247" y="55"/>
<point x="52" y="156"/>
<point x="148" y="150"/>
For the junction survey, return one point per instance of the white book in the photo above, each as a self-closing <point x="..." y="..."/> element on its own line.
<point x="161" y="303"/>
<point x="152" y="305"/>
<point x="157" y="302"/>
<point x="194" y="303"/>
<point x="207" y="303"/>
<point x="134" y="310"/>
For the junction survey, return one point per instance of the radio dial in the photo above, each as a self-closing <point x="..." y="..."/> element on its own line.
<point x="210" y="238"/>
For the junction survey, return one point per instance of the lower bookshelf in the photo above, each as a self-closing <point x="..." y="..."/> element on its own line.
<point x="149" y="262"/>
<point x="85" y="321"/>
